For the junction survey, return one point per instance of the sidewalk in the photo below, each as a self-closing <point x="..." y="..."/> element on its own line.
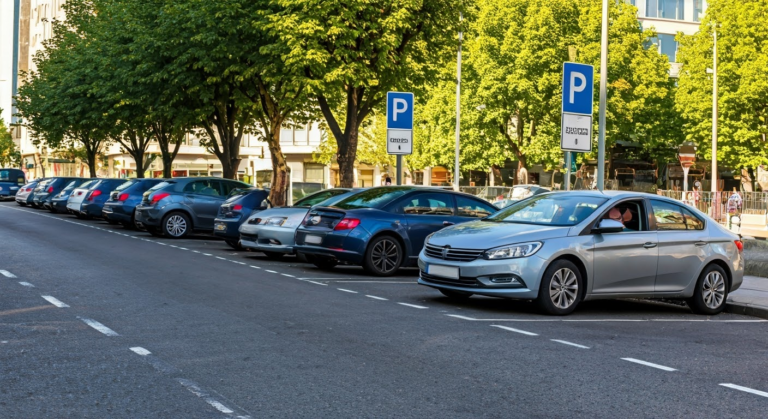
<point x="751" y="299"/>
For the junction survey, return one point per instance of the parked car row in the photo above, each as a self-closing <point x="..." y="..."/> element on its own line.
<point x="556" y="248"/>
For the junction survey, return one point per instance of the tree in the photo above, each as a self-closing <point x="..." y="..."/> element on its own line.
<point x="742" y="54"/>
<point x="372" y="146"/>
<point x="9" y="153"/>
<point x="351" y="53"/>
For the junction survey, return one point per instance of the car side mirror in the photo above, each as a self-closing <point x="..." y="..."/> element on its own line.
<point x="608" y="226"/>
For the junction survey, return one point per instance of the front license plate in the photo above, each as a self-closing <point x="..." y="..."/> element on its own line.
<point x="443" y="271"/>
<point x="310" y="239"/>
<point x="221" y="227"/>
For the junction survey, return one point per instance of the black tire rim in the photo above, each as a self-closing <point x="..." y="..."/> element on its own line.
<point x="385" y="256"/>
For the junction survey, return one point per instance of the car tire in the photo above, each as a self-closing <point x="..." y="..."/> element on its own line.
<point x="383" y="256"/>
<point x="273" y="255"/>
<point x="176" y="225"/>
<point x="35" y="206"/>
<point x="711" y="293"/>
<point x="53" y="210"/>
<point x="456" y="295"/>
<point x="560" y="288"/>
<point x="23" y="204"/>
<point x="155" y="231"/>
<point x="235" y="244"/>
<point x="112" y="222"/>
<point x="324" y="263"/>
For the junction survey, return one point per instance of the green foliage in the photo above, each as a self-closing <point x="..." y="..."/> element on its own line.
<point x="9" y="153"/>
<point x="372" y="146"/>
<point x="742" y="49"/>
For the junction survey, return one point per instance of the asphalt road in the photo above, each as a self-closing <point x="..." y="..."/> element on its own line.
<point x="97" y="321"/>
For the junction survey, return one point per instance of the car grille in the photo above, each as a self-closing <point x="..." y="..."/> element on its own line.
<point x="463" y="281"/>
<point x="459" y="255"/>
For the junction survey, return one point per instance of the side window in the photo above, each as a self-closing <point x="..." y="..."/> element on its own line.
<point x="203" y="187"/>
<point x="692" y="222"/>
<point x="668" y="216"/>
<point x="228" y="187"/>
<point x="470" y="208"/>
<point x="629" y="213"/>
<point x="428" y="204"/>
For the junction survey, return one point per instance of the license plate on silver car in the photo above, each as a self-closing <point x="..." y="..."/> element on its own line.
<point x="443" y="271"/>
<point x="311" y="239"/>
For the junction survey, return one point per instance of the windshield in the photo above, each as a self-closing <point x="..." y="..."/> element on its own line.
<point x="317" y="198"/>
<point x="372" y="198"/>
<point x="125" y="185"/>
<point x="557" y="210"/>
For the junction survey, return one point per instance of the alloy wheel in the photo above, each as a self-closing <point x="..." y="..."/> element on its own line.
<point x="713" y="290"/>
<point x="385" y="256"/>
<point x="563" y="288"/>
<point x="176" y="225"/>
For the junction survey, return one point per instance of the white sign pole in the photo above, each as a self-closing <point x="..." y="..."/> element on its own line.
<point x="603" y="97"/>
<point x="458" y="111"/>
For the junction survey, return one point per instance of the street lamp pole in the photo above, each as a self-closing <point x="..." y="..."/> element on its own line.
<point x="714" y="113"/>
<point x="458" y="109"/>
<point x="603" y="98"/>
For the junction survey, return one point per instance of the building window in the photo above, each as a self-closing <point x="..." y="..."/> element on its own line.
<point x="314" y="173"/>
<point x="668" y="46"/>
<point x="365" y="178"/>
<point x="666" y="9"/>
<point x="698" y="10"/>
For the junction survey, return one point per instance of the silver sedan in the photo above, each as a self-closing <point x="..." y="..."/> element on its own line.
<point x="562" y="248"/>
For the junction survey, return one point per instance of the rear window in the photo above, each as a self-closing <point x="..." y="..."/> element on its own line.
<point x="160" y="185"/>
<point x="316" y="198"/>
<point x="372" y="198"/>
<point x="125" y="185"/>
<point x="238" y="192"/>
<point x="10" y="175"/>
<point x="87" y="184"/>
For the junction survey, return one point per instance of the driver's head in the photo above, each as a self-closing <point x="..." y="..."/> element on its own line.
<point x="615" y="214"/>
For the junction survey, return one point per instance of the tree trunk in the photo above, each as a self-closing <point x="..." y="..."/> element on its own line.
<point x="346" y="141"/>
<point x="280" y="184"/>
<point x="164" y="141"/>
<point x="138" y="157"/>
<point x="91" y="156"/>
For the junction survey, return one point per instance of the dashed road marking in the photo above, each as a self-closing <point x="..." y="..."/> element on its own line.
<point x="219" y="257"/>
<point x="528" y="320"/>
<point x="98" y="326"/>
<point x="413" y="306"/>
<point x="140" y="351"/>
<point x="523" y="332"/>
<point x="565" y="342"/>
<point x="7" y="274"/>
<point x="207" y="254"/>
<point x="55" y="301"/>
<point x="289" y="276"/>
<point x="26" y="284"/>
<point x="649" y="364"/>
<point x="313" y="282"/>
<point x="255" y="267"/>
<point x="745" y="389"/>
<point x="349" y="291"/>
<point x="197" y="391"/>
<point x="376" y="298"/>
<point x="183" y="248"/>
<point x="272" y="272"/>
<point x="456" y="316"/>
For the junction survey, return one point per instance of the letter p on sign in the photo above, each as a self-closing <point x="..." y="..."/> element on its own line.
<point x="576" y="88"/>
<point x="400" y="107"/>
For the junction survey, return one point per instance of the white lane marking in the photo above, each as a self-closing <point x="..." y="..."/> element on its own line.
<point x="239" y="263"/>
<point x="272" y="272"/>
<point x="219" y="257"/>
<point x="195" y="251"/>
<point x="207" y="254"/>
<point x="316" y="283"/>
<point x="161" y="243"/>
<point x="197" y="391"/>
<point x="461" y="317"/>
<point x="173" y="246"/>
<point x="515" y="330"/>
<point x="565" y="342"/>
<point x="412" y="305"/>
<point x="745" y="389"/>
<point x="54" y="301"/>
<point x="377" y="282"/>
<point x="98" y="326"/>
<point x="649" y="364"/>
<point x="183" y="248"/>
<point x="255" y="267"/>
<point x="376" y="298"/>
<point x="349" y="291"/>
<point x="7" y="274"/>
<point x="602" y="320"/>
<point x="26" y="284"/>
<point x="289" y="276"/>
<point x="141" y="351"/>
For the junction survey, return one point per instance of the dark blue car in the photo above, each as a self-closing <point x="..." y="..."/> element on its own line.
<point x="97" y="196"/>
<point x="241" y="204"/>
<point x="51" y="188"/>
<point x="59" y="202"/>
<point x="383" y="228"/>
<point x="11" y="180"/>
<point x="122" y="202"/>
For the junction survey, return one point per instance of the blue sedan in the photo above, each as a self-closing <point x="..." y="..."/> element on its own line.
<point x="384" y="228"/>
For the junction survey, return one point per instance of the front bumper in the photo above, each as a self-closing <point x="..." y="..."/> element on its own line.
<point x="477" y="276"/>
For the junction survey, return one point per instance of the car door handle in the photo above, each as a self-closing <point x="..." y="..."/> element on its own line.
<point x="650" y="245"/>
<point x="448" y="223"/>
<point x="700" y="244"/>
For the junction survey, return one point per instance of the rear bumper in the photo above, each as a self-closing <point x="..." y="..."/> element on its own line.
<point x="115" y="212"/>
<point x="342" y="255"/>
<point x="149" y="216"/>
<point x="230" y="228"/>
<point x="92" y="209"/>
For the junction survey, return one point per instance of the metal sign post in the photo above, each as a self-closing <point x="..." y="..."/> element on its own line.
<point x="576" y="122"/>
<point x="399" y="127"/>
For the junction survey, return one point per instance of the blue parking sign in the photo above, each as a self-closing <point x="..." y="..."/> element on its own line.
<point x="399" y="110"/>
<point x="578" y="85"/>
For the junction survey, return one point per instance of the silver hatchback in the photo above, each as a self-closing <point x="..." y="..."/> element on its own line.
<point x="566" y="247"/>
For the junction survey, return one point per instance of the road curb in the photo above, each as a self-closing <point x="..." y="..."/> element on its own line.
<point x="748" y="310"/>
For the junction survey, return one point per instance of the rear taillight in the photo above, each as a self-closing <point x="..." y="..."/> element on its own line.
<point x="29" y="189"/>
<point x="50" y="189"/>
<point x="237" y="207"/>
<point x="123" y="197"/>
<point x="739" y="245"/>
<point x="93" y="194"/>
<point x="155" y="198"/>
<point x="347" y="224"/>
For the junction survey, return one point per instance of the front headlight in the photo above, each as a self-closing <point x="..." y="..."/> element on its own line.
<point x="513" y="251"/>
<point x="276" y="221"/>
<point x="254" y="221"/>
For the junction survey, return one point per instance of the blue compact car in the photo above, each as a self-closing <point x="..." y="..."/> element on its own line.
<point x="11" y="180"/>
<point x="383" y="228"/>
<point x="241" y="204"/>
<point x="122" y="202"/>
<point x="96" y="196"/>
